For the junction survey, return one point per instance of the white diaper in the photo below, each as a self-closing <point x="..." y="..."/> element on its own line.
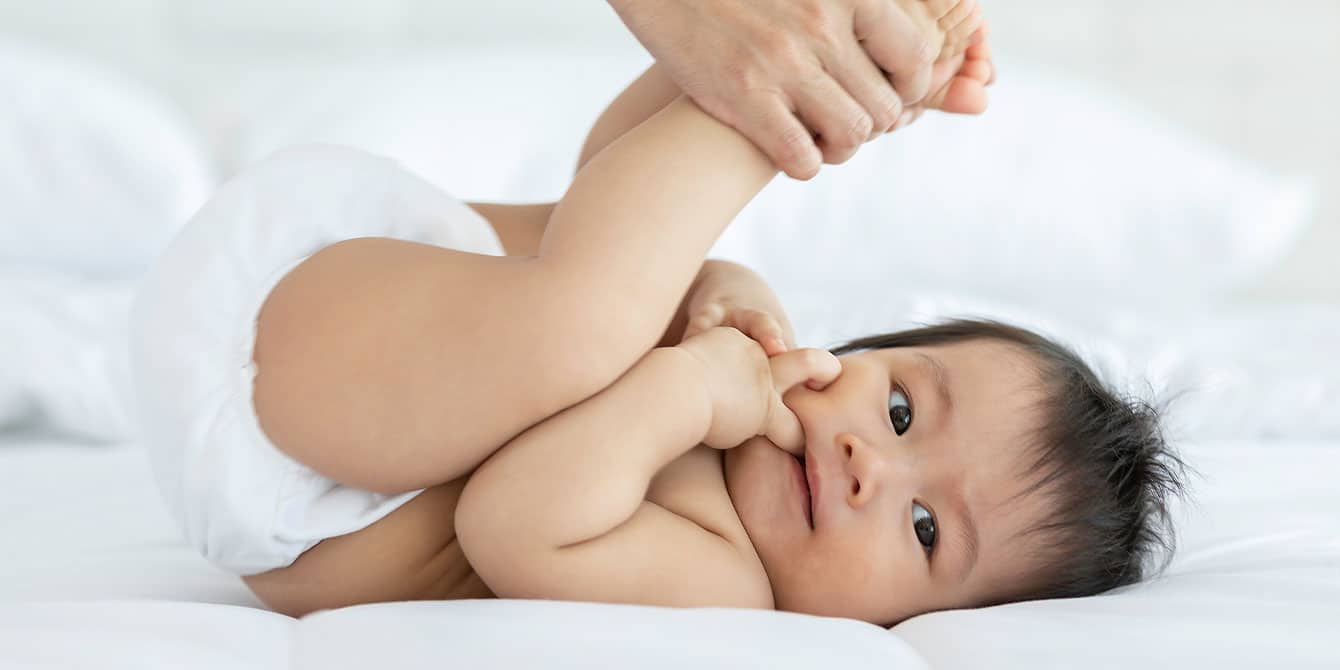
<point x="242" y="503"/>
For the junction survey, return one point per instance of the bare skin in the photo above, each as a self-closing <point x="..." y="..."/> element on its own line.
<point x="805" y="80"/>
<point x="554" y="323"/>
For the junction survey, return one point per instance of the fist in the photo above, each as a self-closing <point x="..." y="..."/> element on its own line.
<point x="745" y="387"/>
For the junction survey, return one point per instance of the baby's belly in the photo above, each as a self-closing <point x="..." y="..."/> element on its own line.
<point x="410" y="554"/>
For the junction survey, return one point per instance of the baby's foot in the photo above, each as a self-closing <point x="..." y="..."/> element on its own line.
<point x="958" y="84"/>
<point x="958" y="21"/>
<point x="949" y="28"/>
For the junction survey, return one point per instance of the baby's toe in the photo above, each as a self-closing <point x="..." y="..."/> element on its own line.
<point x="980" y="70"/>
<point x="963" y="95"/>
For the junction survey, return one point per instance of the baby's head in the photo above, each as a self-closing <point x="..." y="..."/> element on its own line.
<point x="959" y="465"/>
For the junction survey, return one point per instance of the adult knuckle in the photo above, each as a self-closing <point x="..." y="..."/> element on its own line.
<point x="886" y="112"/>
<point x="739" y="77"/>
<point x="794" y="143"/>
<point x="858" y="130"/>
<point x="778" y="46"/>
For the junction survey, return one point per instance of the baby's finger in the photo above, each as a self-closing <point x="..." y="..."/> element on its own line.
<point x="784" y="429"/>
<point x="705" y="318"/>
<point x="816" y="368"/>
<point x="761" y="327"/>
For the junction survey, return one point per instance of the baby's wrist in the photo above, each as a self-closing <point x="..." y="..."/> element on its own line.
<point x="685" y="381"/>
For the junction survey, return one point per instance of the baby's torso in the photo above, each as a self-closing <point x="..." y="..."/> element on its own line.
<point x="412" y="553"/>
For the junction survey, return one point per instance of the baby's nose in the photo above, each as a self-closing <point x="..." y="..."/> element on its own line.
<point x="866" y="469"/>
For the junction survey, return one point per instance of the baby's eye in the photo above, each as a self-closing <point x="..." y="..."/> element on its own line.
<point x="924" y="523"/>
<point x="900" y="412"/>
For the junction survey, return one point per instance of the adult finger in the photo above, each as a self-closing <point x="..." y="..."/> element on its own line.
<point x="779" y="134"/>
<point x="869" y="87"/>
<point x="841" y="123"/>
<point x="898" y="45"/>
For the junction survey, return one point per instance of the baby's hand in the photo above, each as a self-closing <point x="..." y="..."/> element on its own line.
<point x="730" y="294"/>
<point x="746" y="387"/>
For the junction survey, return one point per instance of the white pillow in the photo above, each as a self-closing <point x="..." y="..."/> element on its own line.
<point x="1060" y="191"/>
<point x="96" y="171"/>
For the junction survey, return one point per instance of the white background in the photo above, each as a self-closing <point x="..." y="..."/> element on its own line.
<point x="1258" y="78"/>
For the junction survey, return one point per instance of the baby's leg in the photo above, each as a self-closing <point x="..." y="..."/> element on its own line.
<point x="390" y="365"/>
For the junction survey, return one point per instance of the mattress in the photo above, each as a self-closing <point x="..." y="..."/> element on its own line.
<point x="93" y="573"/>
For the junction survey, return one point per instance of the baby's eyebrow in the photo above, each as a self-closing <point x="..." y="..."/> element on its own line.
<point x="967" y="531"/>
<point x="938" y="373"/>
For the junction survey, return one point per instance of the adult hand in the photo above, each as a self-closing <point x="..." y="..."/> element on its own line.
<point x="782" y="71"/>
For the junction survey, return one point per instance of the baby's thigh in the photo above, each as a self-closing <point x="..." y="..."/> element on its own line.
<point x="410" y="554"/>
<point x="392" y="366"/>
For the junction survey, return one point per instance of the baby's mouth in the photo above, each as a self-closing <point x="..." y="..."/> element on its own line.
<point x="809" y="494"/>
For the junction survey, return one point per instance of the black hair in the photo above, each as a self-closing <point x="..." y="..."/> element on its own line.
<point x="1101" y="458"/>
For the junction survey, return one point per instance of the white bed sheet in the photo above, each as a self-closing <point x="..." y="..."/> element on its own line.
<point x="93" y="572"/>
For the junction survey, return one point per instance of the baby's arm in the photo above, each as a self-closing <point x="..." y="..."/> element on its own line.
<point x="560" y="512"/>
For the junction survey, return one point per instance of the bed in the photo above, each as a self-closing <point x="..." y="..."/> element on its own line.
<point x="1138" y="272"/>
<point x="95" y="575"/>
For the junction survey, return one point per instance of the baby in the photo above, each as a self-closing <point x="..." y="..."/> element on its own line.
<point x="357" y="389"/>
